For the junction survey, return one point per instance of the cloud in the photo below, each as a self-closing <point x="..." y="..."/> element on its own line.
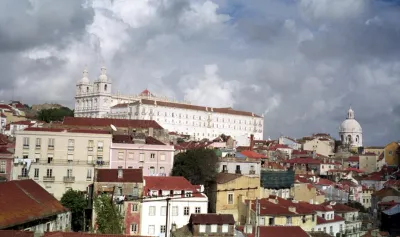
<point x="301" y="63"/>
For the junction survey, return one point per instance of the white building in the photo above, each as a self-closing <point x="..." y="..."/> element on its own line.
<point x="185" y="200"/>
<point x="95" y="99"/>
<point x="3" y="121"/>
<point x="350" y="131"/>
<point x="328" y="221"/>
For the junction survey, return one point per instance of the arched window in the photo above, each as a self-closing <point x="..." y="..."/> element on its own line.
<point x="87" y="89"/>
<point x="152" y="170"/>
<point x="342" y="138"/>
<point x="357" y="138"/>
<point x="349" y="138"/>
<point x="105" y="87"/>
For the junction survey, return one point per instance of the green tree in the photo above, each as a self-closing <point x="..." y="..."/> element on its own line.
<point x="54" y="114"/>
<point x="357" y="205"/>
<point x="108" y="218"/>
<point x="199" y="166"/>
<point x="76" y="202"/>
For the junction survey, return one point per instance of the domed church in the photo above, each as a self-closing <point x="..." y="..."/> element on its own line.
<point x="350" y="131"/>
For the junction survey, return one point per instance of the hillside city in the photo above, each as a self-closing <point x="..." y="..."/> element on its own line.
<point x="148" y="165"/>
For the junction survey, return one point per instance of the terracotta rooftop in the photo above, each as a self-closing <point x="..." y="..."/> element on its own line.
<point x="340" y="208"/>
<point x="196" y="107"/>
<point x="24" y="201"/>
<point x="211" y="218"/>
<point x="336" y="218"/>
<point x="106" y="122"/>
<point x="252" y="154"/>
<point x="176" y="183"/>
<point x="80" y="234"/>
<point x="353" y="159"/>
<point x="307" y="160"/>
<point x="16" y="233"/>
<point x="223" y="178"/>
<point x="111" y="176"/>
<point x="93" y="131"/>
<point x="279" y="231"/>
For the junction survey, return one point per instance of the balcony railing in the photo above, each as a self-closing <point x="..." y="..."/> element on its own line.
<point x="61" y="162"/>
<point x="50" y="147"/>
<point x="21" y="177"/>
<point x="26" y="146"/>
<point x="49" y="178"/>
<point x="69" y="179"/>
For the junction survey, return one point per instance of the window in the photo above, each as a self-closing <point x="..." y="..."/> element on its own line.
<point x="202" y="229"/>
<point x="271" y="221"/>
<point x="214" y="228"/>
<point x="390" y="152"/>
<point x="152" y="155"/>
<point x="69" y="172"/>
<point x="151" y="229"/>
<point x="289" y="220"/>
<point x="135" y="207"/>
<point x="36" y="173"/>
<point x="162" y="229"/>
<point x="186" y="211"/>
<point x="134" y="228"/>
<point x="197" y="210"/>
<point x="49" y="158"/>
<point x="130" y="167"/>
<point x="24" y="172"/>
<point x="152" y="211"/>
<point x="225" y="228"/>
<point x="100" y="146"/>
<point x="89" y="174"/>
<point x="313" y="218"/>
<point x="141" y="157"/>
<point x="230" y="198"/>
<point x="120" y="155"/>
<point x="152" y="170"/>
<point x="2" y="167"/>
<point x="162" y="157"/>
<point x="174" y="210"/>
<point x="71" y="144"/>
<point x="38" y="142"/>
<point x="162" y="170"/>
<point x="331" y="229"/>
<point x="90" y="159"/>
<point x="323" y="216"/>
<point x="37" y="157"/>
<point x="130" y="155"/>
<point x="90" y="145"/>
<point x="70" y="157"/>
<point x="51" y="143"/>
<point x="49" y="173"/>
<point x="26" y="142"/>
<point x="163" y="211"/>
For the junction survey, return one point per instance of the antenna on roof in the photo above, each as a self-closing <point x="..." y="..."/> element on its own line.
<point x="113" y="128"/>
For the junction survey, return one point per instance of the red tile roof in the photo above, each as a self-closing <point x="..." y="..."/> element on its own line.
<point x="34" y="129"/>
<point x="16" y="233"/>
<point x="24" y="201"/>
<point x="111" y="176"/>
<point x="268" y="207"/>
<point x="5" y="107"/>
<point x="211" y="218"/>
<point x="24" y="122"/>
<point x="252" y="154"/>
<point x="392" y="183"/>
<point x="196" y="107"/>
<point x="104" y="122"/>
<point x="353" y="159"/>
<point x="340" y="208"/>
<point x="81" y="234"/>
<point x="4" y="150"/>
<point x="336" y="218"/>
<point x="307" y="160"/>
<point x="280" y="231"/>
<point x="274" y="147"/>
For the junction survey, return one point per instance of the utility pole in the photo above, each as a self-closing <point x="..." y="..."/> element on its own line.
<point x="166" y="217"/>
<point x="257" y="234"/>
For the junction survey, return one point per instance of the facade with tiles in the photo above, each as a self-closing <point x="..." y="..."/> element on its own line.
<point x="60" y="159"/>
<point x="153" y="159"/>
<point x="95" y="100"/>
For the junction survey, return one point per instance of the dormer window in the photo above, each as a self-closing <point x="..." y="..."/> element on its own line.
<point x="188" y="194"/>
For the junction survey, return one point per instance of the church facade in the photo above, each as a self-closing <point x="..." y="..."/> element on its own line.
<point x="96" y="100"/>
<point x="350" y="131"/>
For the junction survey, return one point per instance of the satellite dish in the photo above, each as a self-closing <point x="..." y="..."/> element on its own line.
<point x="113" y="128"/>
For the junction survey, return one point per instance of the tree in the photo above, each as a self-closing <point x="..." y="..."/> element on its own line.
<point x="54" y="114"/>
<point x="199" y="166"/>
<point x="357" y="205"/>
<point x="108" y="218"/>
<point x="76" y="202"/>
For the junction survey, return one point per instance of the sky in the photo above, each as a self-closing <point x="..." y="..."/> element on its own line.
<point x="301" y="63"/>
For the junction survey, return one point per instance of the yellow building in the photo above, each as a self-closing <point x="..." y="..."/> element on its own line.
<point x="374" y="149"/>
<point x="227" y="202"/>
<point x="280" y="212"/>
<point x="391" y="156"/>
<point x="306" y="192"/>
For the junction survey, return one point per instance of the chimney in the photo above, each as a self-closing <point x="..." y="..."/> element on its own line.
<point x="251" y="142"/>
<point x="120" y="173"/>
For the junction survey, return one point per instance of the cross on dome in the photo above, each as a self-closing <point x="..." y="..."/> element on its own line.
<point x="103" y="70"/>
<point x="350" y="113"/>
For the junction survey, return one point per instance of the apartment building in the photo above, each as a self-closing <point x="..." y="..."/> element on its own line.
<point x="60" y="159"/>
<point x="140" y="152"/>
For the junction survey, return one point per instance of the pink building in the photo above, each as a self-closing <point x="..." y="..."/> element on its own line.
<point x="154" y="157"/>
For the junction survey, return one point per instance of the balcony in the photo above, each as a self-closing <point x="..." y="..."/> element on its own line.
<point x="69" y="179"/>
<point x="50" y="147"/>
<point x="49" y="178"/>
<point x="38" y="147"/>
<point x="26" y="146"/>
<point x="22" y="177"/>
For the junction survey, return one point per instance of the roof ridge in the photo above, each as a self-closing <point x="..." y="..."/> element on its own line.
<point x="27" y="193"/>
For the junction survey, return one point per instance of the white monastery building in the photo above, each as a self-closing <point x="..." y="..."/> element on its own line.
<point x="350" y="131"/>
<point x="95" y="100"/>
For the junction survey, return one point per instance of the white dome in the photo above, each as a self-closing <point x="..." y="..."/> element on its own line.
<point x="103" y="76"/>
<point x="350" y="126"/>
<point x="85" y="80"/>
